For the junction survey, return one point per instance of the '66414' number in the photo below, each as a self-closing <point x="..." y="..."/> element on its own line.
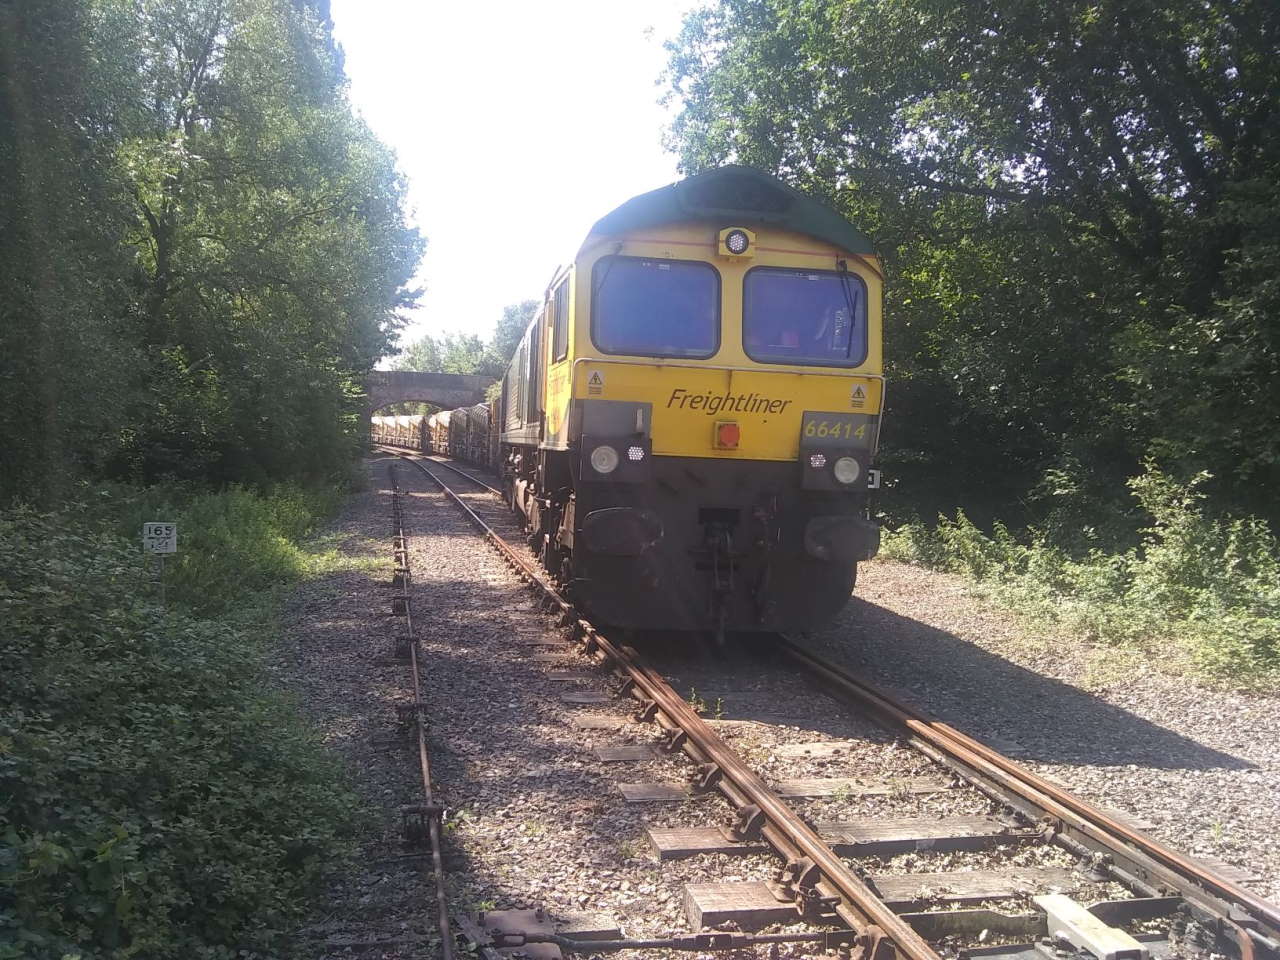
<point x="838" y="429"/>
<point x="823" y="430"/>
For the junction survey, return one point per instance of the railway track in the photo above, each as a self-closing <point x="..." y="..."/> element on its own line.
<point x="442" y="462"/>
<point x="423" y="822"/>
<point x="829" y="878"/>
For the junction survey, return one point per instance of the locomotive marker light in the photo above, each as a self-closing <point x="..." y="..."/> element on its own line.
<point x="615" y="445"/>
<point x="737" y="243"/>
<point x="604" y="459"/>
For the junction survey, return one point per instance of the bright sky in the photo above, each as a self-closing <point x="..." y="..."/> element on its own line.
<point x="518" y="125"/>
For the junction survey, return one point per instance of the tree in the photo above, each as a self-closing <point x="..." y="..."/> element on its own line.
<point x="271" y="233"/>
<point x="506" y="336"/>
<point x="1076" y="207"/>
<point x="208" y="250"/>
<point x="451" y="353"/>
<point x="422" y="355"/>
<point x="65" y="358"/>
<point x="466" y="352"/>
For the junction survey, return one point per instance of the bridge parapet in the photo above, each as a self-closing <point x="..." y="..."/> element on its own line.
<point x="445" y="390"/>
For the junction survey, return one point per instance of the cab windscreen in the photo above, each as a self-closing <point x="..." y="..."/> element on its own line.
<point x="655" y="308"/>
<point x="816" y="317"/>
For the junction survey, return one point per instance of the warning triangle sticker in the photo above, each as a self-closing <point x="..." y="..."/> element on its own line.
<point x="596" y="380"/>
<point x="859" y="393"/>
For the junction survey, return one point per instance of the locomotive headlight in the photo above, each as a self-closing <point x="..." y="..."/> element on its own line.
<point x="604" y="459"/>
<point x="846" y="470"/>
<point x="737" y="241"/>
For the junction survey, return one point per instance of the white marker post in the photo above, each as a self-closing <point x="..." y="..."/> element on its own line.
<point x="160" y="538"/>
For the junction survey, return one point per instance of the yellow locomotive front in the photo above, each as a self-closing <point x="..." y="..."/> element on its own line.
<point x="689" y="424"/>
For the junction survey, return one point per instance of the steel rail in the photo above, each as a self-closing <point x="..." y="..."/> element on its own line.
<point x="1166" y="864"/>
<point x="431" y="810"/>
<point x="876" y="925"/>
<point x="689" y="942"/>
<point x="462" y="473"/>
<point x="857" y="905"/>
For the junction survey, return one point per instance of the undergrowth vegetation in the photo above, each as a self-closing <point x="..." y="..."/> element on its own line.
<point x="233" y="541"/>
<point x="1199" y="589"/>
<point x="157" y="797"/>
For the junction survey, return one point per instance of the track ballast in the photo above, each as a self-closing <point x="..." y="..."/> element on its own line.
<point x="1172" y="905"/>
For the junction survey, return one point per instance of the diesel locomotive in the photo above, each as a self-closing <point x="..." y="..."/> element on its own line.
<point x="688" y="425"/>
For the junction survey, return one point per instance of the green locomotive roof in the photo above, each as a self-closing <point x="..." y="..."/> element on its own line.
<point x="735" y="195"/>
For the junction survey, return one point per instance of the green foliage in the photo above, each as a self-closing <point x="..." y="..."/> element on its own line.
<point x="1198" y="589"/>
<point x="1078" y="211"/>
<point x="240" y="542"/>
<point x="157" y="797"/>
<point x="466" y="352"/>
<point x="506" y="335"/>
<point x="204" y="250"/>
<point x="234" y="541"/>
<point x="449" y="353"/>
<point x="65" y="356"/>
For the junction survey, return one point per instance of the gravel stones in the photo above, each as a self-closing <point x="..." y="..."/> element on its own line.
<point x="336" y="657"/>
<point x="1201" y="765"/>
<point x="535" y="817"/>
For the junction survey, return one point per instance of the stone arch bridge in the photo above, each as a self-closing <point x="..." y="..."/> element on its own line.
<point x="445" y="390"/>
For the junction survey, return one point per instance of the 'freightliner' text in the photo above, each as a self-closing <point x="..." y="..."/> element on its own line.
<point x="713" y="403"/>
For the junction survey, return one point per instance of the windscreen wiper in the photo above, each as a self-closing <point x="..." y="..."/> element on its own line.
<point x="597" y="287"/>
<point x="843" y="267"/>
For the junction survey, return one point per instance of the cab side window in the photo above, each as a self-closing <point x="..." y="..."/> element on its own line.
<point x="560" y="332"/>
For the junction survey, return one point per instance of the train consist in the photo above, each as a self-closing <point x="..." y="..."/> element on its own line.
<point x="465" y="433"/>
<point x="688" y="425"/>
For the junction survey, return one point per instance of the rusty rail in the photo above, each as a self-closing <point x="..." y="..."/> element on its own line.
<point x="1156" y="865"/>
<point x="462" y="473"/>
<point x="429" y="812"/>
<point x="816" y="876"/>
<point x="822" y="885"/>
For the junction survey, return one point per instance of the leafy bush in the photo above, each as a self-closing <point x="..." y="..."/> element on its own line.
<point x="1208" y="586"/>
<point x="231" y="542"/>
<point x="156" y="800"/>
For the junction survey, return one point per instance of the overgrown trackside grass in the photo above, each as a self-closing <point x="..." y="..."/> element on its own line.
<point x="1206" y="590"/>
<point x="232" y="544"/>
<point x="156" y="799"/>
